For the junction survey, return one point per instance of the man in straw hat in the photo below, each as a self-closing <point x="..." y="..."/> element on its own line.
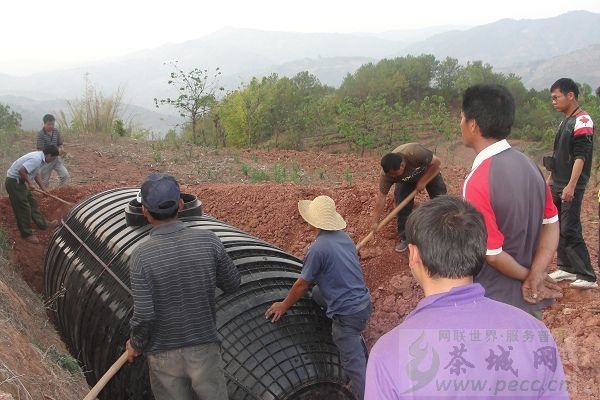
<point x="332" y="261"/>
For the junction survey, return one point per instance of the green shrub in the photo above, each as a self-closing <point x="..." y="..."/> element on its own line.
<point x="65" y="361"/>
<point x="279" y="173"/>
<point x="245" y="169"/>
<point x="259" y="175"/>
<point x="348" y="176"/>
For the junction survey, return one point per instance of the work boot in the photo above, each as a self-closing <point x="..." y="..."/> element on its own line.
<point x="32" y="239"/>
<point x="401" y="246"/>
<point x="53" y="224"/>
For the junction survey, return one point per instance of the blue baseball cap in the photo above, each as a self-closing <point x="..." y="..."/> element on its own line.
<point x="160" y="194"/>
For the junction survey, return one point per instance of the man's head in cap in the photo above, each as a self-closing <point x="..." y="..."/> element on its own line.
<point x="160" y="198"/>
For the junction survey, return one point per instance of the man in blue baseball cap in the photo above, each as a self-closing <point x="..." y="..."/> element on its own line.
<point x="174" y="274"/>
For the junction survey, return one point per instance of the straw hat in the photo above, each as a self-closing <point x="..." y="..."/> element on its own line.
<point x="321" y="213"/>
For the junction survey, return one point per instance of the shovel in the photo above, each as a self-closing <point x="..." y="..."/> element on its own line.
<point x="53" y="196"/>
<point x="106" y="377"/>
<point x="390" y="216"/>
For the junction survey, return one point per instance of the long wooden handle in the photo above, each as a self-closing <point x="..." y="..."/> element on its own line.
<point x="391" y="215"/>
<point x="106" y="377"/>
<point x="54" y="197"/>
<point x="387" y="219"/>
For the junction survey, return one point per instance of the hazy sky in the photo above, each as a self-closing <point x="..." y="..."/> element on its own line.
<point x="44" y="35"/>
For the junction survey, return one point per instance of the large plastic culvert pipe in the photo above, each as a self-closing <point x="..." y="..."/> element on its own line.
<point x="86" y="275"/>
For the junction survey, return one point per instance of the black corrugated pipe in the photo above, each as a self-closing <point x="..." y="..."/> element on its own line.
<point x="86" y="273"/>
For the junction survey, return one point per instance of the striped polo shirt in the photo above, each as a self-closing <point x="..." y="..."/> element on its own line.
<point x="512" y="195"/>
<point x="174" y="274"/>
<point x="43" y="139"/>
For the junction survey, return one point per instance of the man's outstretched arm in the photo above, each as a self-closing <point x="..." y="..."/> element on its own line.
<point x="277" y="310"/>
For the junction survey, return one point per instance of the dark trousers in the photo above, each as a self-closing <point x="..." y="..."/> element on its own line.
<point x="24" y="207"/>
<point x="346" y="333"/>
<point x="573" y="254"/>
<point x="435" y="188"/>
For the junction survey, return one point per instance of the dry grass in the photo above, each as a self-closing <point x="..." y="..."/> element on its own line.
<point x="93" y="113"/>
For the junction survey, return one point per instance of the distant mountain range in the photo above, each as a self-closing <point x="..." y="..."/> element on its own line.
<point x="539" y="50"/>
<point x="508" y="42"/>
<point x="582" y="64"/>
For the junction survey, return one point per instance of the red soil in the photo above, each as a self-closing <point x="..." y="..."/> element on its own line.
<point x="269" y="212"/>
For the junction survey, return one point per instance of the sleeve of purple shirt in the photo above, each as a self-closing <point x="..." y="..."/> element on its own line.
<point x="379" y="379"/>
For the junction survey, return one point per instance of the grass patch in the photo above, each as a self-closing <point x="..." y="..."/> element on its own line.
<point x="245" y="169"/>
<point x="279" y="173"/>
<point x="4" y="244"/>
<point x="295" y="175"/>
<point x="259" y="175"/>
<point x="157" y="155"/>
<point x="321" y="174"/>
<point x="348" y="176"/>
<point x="65" y="361"/>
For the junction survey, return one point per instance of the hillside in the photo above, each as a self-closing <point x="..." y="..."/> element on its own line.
<point x="508" y="41"/>
<point x="243" y="53"/>
<point x="538" y="50"/>
<point x="583" y="65"/>
<point x="34" y="363"/>
<point x="240" y="53"/>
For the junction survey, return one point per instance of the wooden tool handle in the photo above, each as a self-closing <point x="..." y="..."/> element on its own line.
<point x="387" y="219"/>
<point x="391" y="215"/>
<point x="54" y="197"/>
<point x="106" y="377"/>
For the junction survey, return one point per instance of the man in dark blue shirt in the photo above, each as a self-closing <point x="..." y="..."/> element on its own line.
<point x="332" y="262"/>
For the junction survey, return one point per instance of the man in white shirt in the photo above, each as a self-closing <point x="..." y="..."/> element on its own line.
<point x="19" y="187"/>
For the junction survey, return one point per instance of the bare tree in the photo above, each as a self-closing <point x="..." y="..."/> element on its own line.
<point x="197" y="94"/>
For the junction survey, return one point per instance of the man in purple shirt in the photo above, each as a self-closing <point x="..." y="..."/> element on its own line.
<point x="458" y="343"/>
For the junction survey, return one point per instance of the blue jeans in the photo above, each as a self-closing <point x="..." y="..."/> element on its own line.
<point x="189" y="373"/>
<point x="346" y="332"/>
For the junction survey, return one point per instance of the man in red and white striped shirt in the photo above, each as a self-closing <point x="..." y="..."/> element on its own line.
<point x="511" y="193"/>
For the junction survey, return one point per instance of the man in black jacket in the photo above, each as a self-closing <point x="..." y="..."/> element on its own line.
<point x="570" y="167"/>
